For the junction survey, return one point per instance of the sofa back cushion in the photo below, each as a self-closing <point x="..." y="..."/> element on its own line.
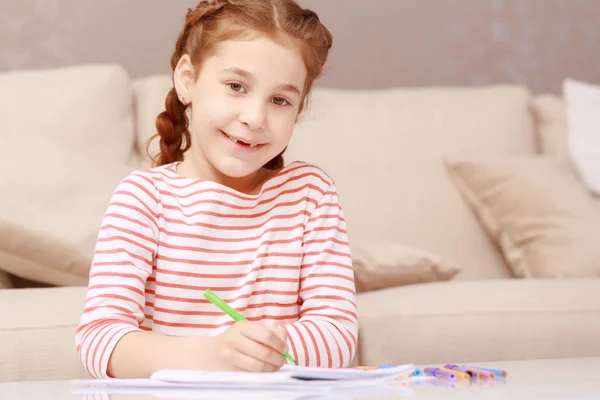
<point x="88" y="106"/>
<point x="385" y="150"/>
<point x="150" y="94"/>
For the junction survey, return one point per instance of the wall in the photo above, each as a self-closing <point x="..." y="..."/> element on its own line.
<point x="378" y="43"/>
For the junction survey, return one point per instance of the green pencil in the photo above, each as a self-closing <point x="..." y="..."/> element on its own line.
<point x="217" y="301"/>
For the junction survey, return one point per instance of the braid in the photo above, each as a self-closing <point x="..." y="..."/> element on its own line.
<point x="172" y="124"/>
<point x="172" y="127"/>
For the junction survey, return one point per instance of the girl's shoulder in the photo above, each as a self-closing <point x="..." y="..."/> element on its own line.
<point x="305" y="172"/>
<point x="145" y="179"/>
<point x="163" y="173"/>
<point x="301" y="173"/>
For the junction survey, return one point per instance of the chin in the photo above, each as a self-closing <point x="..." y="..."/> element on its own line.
<point x="235" y="168"/>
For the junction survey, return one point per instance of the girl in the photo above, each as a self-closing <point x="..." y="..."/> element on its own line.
<point x="268" y="238"/>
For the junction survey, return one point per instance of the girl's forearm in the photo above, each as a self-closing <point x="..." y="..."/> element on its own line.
<point x="140" y="354"/>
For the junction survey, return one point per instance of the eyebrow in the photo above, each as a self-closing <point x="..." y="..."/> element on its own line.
<point x="249" y="75"/>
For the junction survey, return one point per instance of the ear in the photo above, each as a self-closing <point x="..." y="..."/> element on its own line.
<point x="183" y="78"/>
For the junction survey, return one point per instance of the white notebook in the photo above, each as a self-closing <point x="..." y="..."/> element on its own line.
<point x="288" y="377"/>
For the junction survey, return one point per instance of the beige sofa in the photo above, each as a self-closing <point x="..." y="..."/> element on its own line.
<point x="386" y="151"/>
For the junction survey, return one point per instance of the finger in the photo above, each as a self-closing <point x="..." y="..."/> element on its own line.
<point x="245" y="362"/>
<point x="265" y="336"/>
<point x="282" y="333"/>
<point x="260" y="352"/>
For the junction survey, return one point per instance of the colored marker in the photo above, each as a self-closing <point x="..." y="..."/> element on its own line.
<point x="440" y="373"/>
<point x="217" y="301"/>
<point x="498" y="372"/>
<point x="456" y="368"/>
<point x="480" y="373"/>
<point x="459" y="374"/>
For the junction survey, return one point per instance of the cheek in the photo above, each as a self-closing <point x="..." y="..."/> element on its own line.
<point x="213" y="113"/>
<point x="282" y="126"/>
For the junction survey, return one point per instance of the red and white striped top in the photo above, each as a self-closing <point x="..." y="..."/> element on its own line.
<point x="280" y="257"/>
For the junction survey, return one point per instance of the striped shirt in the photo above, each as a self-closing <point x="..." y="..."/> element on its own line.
<point x="280" y="257"/>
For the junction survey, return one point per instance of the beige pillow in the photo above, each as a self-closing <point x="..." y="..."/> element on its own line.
<point x="381" y="265"/>
<point x="549" y="114"/>
<point x="87" y="106"/>
<point x="545" y="222"/>
<point x="57" y="197"/>
<point x="40" y="257"/>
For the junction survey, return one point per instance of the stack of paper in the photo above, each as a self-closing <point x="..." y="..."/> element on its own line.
<point x="300" y="380"/>
<point x="287" y="374"/>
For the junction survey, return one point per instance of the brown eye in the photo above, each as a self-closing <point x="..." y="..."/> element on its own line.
<point x="236" y="87"/>
<point x="280" y="101"/>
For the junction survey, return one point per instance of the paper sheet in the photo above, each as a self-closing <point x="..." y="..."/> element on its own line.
<point x="289" y="378"/>
<point x="288" y="373"/>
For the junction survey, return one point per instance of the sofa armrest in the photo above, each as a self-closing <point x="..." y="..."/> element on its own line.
<point x="37" y="333"/>
<point x="491" y="320"/>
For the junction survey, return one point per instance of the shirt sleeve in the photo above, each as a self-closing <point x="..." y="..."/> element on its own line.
<point x="123" y="259"/>
<point x="326" y="333"/>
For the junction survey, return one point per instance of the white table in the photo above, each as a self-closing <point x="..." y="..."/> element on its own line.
<point x="538" y="379"/>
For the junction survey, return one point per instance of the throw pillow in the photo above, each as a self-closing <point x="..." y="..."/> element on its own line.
<point x="57" y="196"/>
<point x="536" y="210"/>
<point x="583" y="118"/>
<point x="40" y="257"/>
<point x="380" y="265"/>
<point x="87" y="106"/>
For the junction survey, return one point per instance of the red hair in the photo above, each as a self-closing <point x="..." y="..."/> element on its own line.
<point x="212" y="22"/>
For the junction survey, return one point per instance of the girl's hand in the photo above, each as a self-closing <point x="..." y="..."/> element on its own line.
<point x="251" y="347"/>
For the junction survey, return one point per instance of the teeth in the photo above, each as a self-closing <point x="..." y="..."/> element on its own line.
<point x="235" y="141"/>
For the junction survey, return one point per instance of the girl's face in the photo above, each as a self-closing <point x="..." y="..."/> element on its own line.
<point x="244" y="103"/>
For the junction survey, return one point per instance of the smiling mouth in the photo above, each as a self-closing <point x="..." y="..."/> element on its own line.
<point x="242" y="143"/>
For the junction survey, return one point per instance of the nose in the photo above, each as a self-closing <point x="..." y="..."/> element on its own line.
<point x="253" y="114"/>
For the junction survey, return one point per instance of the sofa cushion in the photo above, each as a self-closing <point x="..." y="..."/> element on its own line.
<point x="37" y="332"/>
<point x="41" y="257"/>
<point x="56" y="201"/>
<point x="150" y="94"/>
<point x="380" y="265"/>
<point x="88" y="106"/>
<point x="546" y="223"/>
<point x="494" y="320"/>
<point x="385" y="150"/>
